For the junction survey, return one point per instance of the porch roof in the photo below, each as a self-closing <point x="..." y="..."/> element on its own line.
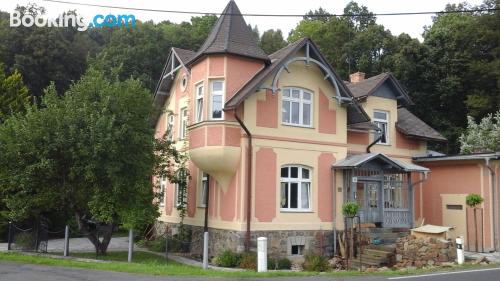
<point x="358" y="160"/>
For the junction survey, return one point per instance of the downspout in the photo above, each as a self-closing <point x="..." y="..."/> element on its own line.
<point x="374" y="142"/>
<point x="495" y="203"/>
<point x="207" y="202"/>
<point x="249" y="179"/>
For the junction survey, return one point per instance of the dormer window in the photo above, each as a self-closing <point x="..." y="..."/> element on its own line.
<point x="296" y="107"/>
<point x="381" y="119"/>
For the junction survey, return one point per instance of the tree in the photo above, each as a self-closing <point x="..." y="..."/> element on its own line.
<point x="90" y="153"/>
<point x="481" y="137"/>
<point x="272" y="40"/>
<point x="13" y="94"/>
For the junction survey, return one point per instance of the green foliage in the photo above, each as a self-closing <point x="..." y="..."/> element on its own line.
<point x="272" y="40"/>
<point x="472" y="200"/>
<point x="318" y="263"/>
<point x="350" y="209"/>
<point x="228" y="258"/>
<point x="481" y="137"/>
<point x="13" y="94"/>
<point x="248" y="261"/>
<point x="90" y="153"/>
<point x="284" y="263"/>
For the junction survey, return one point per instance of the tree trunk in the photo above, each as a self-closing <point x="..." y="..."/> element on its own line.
<point x="100" y="245"/>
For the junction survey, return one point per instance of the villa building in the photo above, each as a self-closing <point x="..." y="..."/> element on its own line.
<point x="279" y="142"/>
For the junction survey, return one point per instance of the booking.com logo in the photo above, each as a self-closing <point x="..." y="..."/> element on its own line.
<point x="71" y="20"/>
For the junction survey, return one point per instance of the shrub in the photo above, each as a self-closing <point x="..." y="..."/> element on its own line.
<point x="472" y="200"/>
<point x="228" y="258"/>
<point x="350" y="209"/>
<point x="284" y="263"/>
<point x="315" y="263"/>
<point x="272" y="263"/>
<point x="248" y="261"/>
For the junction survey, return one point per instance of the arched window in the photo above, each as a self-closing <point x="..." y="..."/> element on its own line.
<point x="295" y="188"/>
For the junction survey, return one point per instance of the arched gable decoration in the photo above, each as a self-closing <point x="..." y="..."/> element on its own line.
<point x="321" y="64"/>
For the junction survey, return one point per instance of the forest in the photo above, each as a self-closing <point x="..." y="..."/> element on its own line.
<point x="454" y="72"/>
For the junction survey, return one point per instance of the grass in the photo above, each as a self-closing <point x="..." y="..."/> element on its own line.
<point x="151" y="264"/>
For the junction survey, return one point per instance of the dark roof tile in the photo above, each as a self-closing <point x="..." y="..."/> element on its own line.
<point x="412" y="126"/>
<point x="231" y="35"/>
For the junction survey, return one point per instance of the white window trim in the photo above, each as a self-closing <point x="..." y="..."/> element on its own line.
<point x="387" y="122"/>
<point x="170" y="127"/>
<point x="298" y="180"/>
<point x="176" y="195"/>
<point x="199" y="118"/>
<point x="163" y="190"/>
<point x="223" y="94"/>
<point x="301" y="102"/>
<point x="204" y="177"/>
<point x="183" y="118"/>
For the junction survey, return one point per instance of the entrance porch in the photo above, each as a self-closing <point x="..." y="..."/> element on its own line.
<point x="382" y="187"/>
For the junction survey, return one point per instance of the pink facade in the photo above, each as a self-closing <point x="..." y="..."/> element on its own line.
<point x="266" y="175"/>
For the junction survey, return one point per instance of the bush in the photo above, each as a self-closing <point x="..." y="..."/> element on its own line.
<point x="316" y="263"/>
<point x="284" y="263"/>
<point x="249" y="261"/>
<point x="472" y="200"/>
<point x="228" y="258"/>
<point x="272" y="263"/>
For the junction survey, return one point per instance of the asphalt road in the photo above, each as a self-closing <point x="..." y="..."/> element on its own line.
<point x="28" y="272"/>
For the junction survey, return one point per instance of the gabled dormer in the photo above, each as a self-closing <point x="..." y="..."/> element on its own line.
<point x="385" y="101"/>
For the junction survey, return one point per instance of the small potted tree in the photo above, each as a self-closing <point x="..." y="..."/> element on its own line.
<point x="473" y="200"/>
<point x="350" y="210"/>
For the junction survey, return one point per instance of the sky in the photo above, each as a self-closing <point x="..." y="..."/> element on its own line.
<point x="410" y="24"/>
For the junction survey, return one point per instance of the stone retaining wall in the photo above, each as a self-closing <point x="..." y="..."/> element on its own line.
<point x="279" y="241"/>
<point x="419" y="252"/>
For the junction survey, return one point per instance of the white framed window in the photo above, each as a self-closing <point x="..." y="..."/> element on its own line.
<point x="183" y="125"/>
<point x="178" y="197"/>
<point x="295" y="188"/>
<point x="199" y="102"/>
<point x="216" y="100"/>
<point x="170" y="127"/>
<point x="204" y="188"/>
<point x="163" y="191"/>
<point x="381" y="119"/>
<point x="297" y="107"/>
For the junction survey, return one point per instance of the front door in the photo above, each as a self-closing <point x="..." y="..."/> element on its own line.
<point x="368" y="197"/>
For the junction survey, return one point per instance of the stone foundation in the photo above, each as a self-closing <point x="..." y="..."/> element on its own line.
<point x="279" y="241"/>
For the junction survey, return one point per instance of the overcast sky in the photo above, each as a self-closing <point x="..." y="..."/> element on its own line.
<point x="412" y="25"/>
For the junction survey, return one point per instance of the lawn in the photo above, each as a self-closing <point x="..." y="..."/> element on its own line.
<point x="151" y="264"/>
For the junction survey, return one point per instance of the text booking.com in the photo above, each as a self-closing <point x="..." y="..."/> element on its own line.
<point x="70" y="20"/>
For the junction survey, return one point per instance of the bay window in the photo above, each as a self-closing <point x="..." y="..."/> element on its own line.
<point x="217" y="100"/>
<point x="199" y="102"/>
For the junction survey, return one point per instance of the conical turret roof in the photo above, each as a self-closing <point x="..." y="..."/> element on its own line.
<point x="231" y="35"/>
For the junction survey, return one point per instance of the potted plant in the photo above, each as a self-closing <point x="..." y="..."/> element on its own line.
<point x="472" y="200"/>
<point x="350" y="209"/>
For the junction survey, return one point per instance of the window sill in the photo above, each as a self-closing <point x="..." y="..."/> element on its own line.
<point x="297" y="125"/>
<point x="295" y="211"/>
<point x="201" y="207"/>
<point x="384" y="144"/>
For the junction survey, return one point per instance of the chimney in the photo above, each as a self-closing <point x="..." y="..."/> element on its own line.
<point x="357" y="77"/>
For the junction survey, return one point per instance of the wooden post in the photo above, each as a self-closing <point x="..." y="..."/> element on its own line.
<point x="9" y="238"/>
<point x="66" y="241"/>
<point x="130" y="244"/>
<point x="475" y="226"/>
